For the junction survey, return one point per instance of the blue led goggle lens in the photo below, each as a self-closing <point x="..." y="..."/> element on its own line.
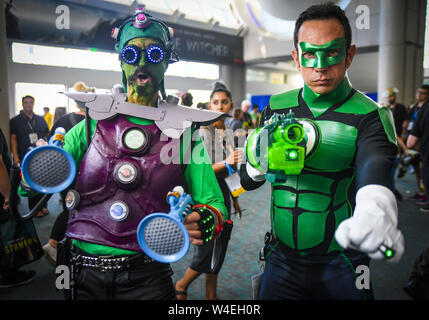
<point x="132" y="54"/>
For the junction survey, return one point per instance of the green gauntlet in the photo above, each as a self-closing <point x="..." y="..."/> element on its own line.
<point x="278" y="148"/>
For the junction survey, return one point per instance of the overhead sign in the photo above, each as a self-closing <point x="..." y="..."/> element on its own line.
<point x="72" y="24"/>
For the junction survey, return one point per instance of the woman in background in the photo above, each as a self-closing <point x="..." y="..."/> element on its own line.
<point x="222" y="156"/>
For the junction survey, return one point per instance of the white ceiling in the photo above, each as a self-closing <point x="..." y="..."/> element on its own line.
<point x="197" y="10"/>
<point x="273" y="18"/>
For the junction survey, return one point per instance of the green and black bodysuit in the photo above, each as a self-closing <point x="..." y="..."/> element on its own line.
<point x="353" y="145"/>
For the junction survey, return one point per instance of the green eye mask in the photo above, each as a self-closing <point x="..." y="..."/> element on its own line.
<point x="325" y="55"/>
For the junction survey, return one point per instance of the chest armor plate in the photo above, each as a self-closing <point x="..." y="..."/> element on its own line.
<point x="122" y="179"/>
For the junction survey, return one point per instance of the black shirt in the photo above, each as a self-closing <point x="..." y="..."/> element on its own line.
<point x="400" y="115"/>
<point x="414" y="111"/>
<point x="421" y="131"/>
<point x="22" y="127"/>
<point x="67" y="122"/>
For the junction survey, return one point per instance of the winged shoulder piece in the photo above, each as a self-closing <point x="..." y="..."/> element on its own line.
<point x="172" y="119"/>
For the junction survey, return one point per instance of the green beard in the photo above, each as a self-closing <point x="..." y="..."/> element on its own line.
<point x="146" y="94"/>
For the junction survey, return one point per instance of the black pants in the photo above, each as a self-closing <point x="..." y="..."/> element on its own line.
<point x="420" y="273"/>
<point x="59" y="228"/>
<point x="289" y="276"/>
<point x="32" y="201"/>
<point x="140" y="281"/>
<point x="425" y="178"/>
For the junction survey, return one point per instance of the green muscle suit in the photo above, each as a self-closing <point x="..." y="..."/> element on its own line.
<point x="350" y="143"/>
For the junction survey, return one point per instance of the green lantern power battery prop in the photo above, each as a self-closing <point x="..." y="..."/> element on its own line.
<point x="277" y="148"/>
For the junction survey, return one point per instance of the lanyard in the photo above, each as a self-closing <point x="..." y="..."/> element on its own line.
<point x="31" y="123"/>
<point x="229" y="168"/>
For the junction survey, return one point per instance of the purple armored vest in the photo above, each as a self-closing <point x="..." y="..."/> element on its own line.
<point x="120" y="181"/>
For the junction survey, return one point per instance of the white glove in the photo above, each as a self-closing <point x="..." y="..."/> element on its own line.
<point x="254" y="174"/>
<point x="373" y="223"/>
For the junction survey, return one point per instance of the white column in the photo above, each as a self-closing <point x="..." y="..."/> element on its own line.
<point x="401" y="38"/>
<point x="391" y="55"/>
<point x="234" y="77"/>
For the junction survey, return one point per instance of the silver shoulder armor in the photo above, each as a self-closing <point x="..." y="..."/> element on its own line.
<point x="172" y="119"/>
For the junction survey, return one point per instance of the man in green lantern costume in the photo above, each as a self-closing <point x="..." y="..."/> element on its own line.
<point x="335" y="211"/>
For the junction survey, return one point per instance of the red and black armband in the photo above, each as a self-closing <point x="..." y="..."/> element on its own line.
<point x="211" y="222"/>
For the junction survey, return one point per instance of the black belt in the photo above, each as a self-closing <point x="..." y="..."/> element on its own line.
<point x="106" y="263"/>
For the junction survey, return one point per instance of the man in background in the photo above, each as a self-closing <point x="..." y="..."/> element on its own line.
<point x="401" y="120"/>
<point x="25" y="129"/>
<point x="246" y="118"/>
<point x="418" y="284"/>
<point x="187" y="99"/>
<point x="422" y="97"/>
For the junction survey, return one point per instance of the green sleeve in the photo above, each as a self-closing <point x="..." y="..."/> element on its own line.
<point x="21" y="192"/>
<point x="201" y="179"/>
<point x="75" y="140"/>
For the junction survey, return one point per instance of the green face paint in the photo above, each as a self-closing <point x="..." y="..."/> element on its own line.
<point x="325" y="55"/>
<point x="143" y="92"/>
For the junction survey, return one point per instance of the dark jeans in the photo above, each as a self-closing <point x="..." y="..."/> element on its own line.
<point x="325" y="277"/>
<point x="420" y="273"/>
<point x="32" y="201"/>
<point x="425" y="178"/>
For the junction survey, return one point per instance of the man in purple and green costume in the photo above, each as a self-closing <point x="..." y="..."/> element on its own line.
<point x="339" y="210"/>
<point x="122" y="177"/>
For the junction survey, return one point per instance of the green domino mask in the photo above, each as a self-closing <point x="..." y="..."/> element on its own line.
<point x="325" y="55"/>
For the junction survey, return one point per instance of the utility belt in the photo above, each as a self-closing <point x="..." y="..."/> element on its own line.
<point x="272" y="244"/>
<point x="80" y="258"/>
<point x="76" y="259"/>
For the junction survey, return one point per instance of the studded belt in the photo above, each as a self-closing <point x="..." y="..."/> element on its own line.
<point x="107" y="263"/>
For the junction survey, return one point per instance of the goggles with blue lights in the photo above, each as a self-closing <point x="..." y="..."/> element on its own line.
<point x="154" y="54"/>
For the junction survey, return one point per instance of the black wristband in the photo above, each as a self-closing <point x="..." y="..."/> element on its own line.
<point x="210" y="223"/>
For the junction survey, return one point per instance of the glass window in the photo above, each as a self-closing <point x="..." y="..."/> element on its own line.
<point x="72" y="104"/>
<point x="65" y="57"/>
<point x="256" y="76"/>
<point x="96" y="60"/>
<point x="198" y="96"/>
<point x="45" y="95"/>
<point x="296" y="80"/>
<point x="277" y="78"/>
<point x="193" y="70"/>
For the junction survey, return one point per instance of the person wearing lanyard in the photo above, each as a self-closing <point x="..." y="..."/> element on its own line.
<point x="25" y="129"/>
<point x="215" y="139"/>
